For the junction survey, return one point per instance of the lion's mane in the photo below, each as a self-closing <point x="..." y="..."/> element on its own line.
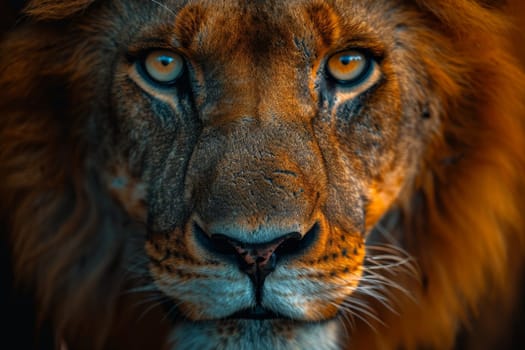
<point x="464" y="222"/>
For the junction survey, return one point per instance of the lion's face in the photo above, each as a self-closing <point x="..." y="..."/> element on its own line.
<point x="260" y="143"/>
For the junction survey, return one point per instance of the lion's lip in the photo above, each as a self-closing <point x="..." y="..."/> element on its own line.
<point x="256" y="313"/>
<point x="253" y="313"/>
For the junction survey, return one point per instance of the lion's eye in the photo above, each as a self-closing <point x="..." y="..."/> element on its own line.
<point x="349" y="67"/>
<point x="163" y="66"/>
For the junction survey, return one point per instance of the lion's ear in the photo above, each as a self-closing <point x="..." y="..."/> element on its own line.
<point x="55" y="9"/>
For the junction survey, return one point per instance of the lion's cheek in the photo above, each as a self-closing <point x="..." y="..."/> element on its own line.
<point x="381" y="195"/>
<point x="128" y="192"/>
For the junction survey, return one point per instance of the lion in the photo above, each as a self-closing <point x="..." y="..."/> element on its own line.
<point x="306" y="174"/>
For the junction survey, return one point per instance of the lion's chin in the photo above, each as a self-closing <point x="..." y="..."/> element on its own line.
<point x="275" y="334"/>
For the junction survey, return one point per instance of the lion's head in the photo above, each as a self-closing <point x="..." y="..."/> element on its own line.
<point x="277" y="174"/>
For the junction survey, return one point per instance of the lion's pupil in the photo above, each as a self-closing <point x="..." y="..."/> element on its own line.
<point x="345" y="60"/>
<point x="165" y="60"/>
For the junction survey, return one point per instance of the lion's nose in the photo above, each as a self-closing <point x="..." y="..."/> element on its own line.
<point x="258" y="260"/>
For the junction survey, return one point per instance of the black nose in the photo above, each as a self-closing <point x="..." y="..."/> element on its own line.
<point x="260" y="259"/>
<point x="257" y="260"/>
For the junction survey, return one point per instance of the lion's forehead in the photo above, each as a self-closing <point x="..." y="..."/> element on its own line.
<point x="265" y="33"/>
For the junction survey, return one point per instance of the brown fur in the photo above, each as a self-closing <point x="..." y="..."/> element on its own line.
<point x="447" y="185"/>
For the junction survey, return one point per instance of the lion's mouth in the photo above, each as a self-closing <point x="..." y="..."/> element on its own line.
<point x="256" y="313"/>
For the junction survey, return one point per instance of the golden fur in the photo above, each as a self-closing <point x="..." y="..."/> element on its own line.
<point x="456" y="215"/>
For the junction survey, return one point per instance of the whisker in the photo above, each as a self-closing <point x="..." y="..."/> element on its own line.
<point x="174" y="307"/>
<point x="358" y="306"/>
<point x="150" y="308"/>
<point x="163" y="6"/>
<point x="349" y="318"/>
<point x="142" y="289"/>
<point x="375" y="294"/>
<point x="148" y="300"/>
<point x="349" y="308"/>
<point x="386" y="234"/>
<point x="393" y="268"/>
<point x="346" y="319"/>
<point x="388" y="282"/>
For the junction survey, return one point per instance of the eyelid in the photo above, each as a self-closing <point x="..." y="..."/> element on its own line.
<point x="141" y="47"/>
<point x="366" y="43"/>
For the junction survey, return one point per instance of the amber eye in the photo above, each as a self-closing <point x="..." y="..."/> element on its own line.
<point x="349" y="67"/>
<point x="163" y="66"/>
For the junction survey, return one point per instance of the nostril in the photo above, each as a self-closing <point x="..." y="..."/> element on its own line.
<point x="216" y="243"/>
<point x="290" y="244"/>
<point x="222" y="244"/>
<point x="295" y="244"/>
